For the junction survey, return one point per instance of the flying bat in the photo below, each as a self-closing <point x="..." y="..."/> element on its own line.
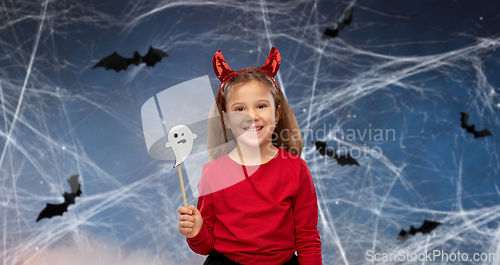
<point x="332" y="33"/>
<point x="52" y="210"/>
<point x="118" y="62"/>
<point x="348" y="16"/>
<point x="472" y="128"/>
<point x="426" y="228"/>
<point x="346" y="159"/>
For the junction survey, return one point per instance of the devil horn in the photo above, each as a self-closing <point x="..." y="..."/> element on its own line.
<point x="221" y="68"/>
<point x="272" y="64"/>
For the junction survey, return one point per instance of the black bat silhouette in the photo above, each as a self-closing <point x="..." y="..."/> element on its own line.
<point x="472" y="128"/>
<point x="348" y="16"/>
<point x="346" y="159"/>
<point x="332" y="33"/>
<point x="52" y="210"/>
<point x="426" y="228"/>
<point x="118" y="63"/>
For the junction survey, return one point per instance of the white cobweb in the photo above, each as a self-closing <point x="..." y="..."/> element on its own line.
<point x="60" y="118"/>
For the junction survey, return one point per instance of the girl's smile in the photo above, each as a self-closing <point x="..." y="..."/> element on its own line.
<point x="254" y="130"/>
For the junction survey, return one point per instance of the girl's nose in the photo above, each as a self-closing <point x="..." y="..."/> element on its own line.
<point x="252" y="115"/>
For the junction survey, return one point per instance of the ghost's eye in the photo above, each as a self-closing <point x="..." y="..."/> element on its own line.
<point x="182" y="134"/>
<point x="175" y="135"/>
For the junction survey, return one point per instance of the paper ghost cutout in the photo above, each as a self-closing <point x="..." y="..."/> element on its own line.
<point x="180" y="139"/>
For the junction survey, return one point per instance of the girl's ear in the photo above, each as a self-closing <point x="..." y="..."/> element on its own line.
<point x="226" y="120"/>
<point x="278" y="113"/>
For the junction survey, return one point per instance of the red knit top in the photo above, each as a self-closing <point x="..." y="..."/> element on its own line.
<point x="260" y="217"/>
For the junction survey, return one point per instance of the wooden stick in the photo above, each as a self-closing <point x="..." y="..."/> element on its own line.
<point x="182" y="186"/>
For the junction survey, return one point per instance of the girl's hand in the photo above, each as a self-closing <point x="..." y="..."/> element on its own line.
<point x="190" y="221"/>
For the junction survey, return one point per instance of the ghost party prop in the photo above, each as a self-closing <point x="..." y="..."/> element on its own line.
<point x="180" y="139"/>
<point x="175" y="127"/>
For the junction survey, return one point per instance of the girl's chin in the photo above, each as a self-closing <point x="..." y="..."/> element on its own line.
<point x="249" y="134"/>
<point x="251" y="142"/>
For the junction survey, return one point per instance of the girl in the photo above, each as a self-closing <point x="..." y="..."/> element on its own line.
<point x="271" y="211"/>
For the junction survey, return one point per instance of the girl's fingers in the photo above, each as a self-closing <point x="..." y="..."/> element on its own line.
<point x="194" y="210"/>
<point x="186" y="230"/>
<point x="187" y="224"/>
<point x="185" y="217"/>
<point x="184" y="210"/>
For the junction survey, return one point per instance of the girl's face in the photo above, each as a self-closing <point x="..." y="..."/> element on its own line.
<point x="251" y="114"/>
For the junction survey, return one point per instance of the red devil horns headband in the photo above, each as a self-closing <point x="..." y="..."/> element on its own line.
<point x="224" y="73"/>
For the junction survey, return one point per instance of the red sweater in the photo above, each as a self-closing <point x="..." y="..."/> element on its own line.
<point x="260" y="219"/>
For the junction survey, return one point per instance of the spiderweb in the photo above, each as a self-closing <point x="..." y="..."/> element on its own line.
<point x="393" y="81"/>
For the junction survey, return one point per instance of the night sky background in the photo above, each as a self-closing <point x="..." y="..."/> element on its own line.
<point x="407" y="67"/>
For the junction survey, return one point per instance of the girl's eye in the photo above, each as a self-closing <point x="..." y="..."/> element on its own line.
<point x="241" y="108"/>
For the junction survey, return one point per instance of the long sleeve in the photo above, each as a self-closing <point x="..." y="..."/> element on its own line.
<point x="262" y="218"/>
<point x="305" y="213"/>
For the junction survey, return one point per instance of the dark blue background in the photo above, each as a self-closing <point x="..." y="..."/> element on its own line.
<point x="406" y="66"/>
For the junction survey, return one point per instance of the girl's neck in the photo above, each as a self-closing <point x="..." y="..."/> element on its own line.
<point x="250" y="155"/>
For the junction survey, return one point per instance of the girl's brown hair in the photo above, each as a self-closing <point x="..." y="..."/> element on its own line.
<point x="221" y="140"/>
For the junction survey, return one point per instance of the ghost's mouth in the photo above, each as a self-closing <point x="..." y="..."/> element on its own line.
<point x="182" y="141"/>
